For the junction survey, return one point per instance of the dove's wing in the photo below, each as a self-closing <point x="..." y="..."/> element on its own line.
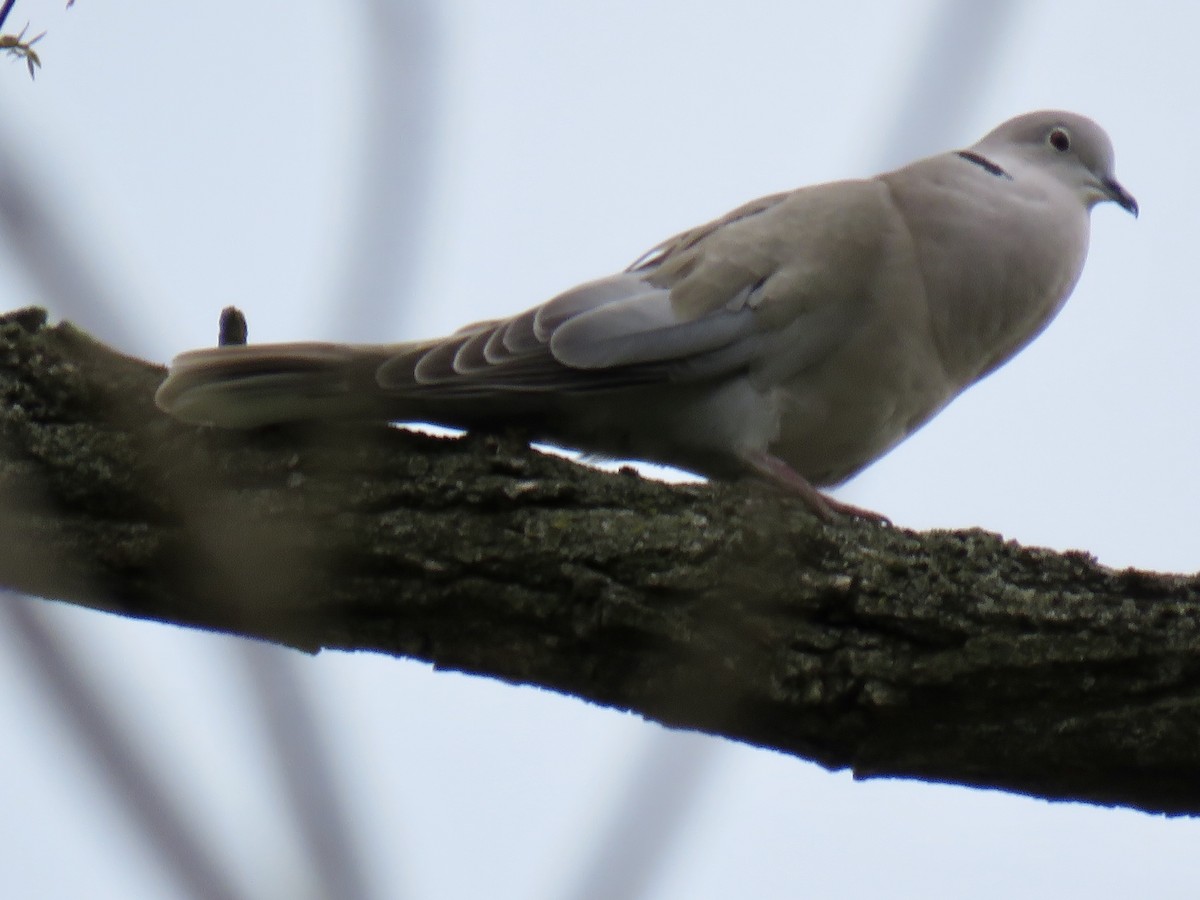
<point x="709" y="302"/>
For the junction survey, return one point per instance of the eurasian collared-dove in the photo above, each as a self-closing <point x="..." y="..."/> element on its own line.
<point x="797" y="338"/>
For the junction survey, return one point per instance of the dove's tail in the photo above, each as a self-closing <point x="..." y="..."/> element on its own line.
<point x="246" y="386"/>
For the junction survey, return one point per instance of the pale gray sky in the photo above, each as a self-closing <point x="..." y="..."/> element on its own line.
<point x="208" y="154"/>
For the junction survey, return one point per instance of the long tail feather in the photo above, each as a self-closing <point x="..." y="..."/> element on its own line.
<point x="262" y="384"/>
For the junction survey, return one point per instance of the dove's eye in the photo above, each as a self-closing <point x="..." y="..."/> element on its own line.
<point x="1060" y="140"/>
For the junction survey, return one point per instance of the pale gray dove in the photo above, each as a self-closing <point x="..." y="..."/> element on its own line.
<point x="797" y="338"/>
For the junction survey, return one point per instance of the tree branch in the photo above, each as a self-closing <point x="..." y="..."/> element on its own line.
<point x="948" y="656"/>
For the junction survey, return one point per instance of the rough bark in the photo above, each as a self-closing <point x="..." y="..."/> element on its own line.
<point x="948" y="656"/>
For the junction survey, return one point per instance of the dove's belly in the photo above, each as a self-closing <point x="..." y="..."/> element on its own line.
<point x="859" y="405"/>
<point x="826" y="425"/>
<point x="706" y="428"/>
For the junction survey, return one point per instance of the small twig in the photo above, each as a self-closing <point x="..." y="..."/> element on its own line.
<point x="232" y="328"/>
<point x="21" y="48"/>
<point x="16" y="44"/>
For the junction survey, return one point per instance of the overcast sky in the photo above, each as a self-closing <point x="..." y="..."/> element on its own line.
<point x="206" y="154"/>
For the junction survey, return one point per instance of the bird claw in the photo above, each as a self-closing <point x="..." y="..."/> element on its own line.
<point x="837" y="507"/>
<point x="779" y="473"/>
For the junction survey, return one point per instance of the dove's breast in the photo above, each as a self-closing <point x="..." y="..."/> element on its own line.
<point x="884" y="379"/>
<point x="967" y="270"/>
<point x="998" y="256"/>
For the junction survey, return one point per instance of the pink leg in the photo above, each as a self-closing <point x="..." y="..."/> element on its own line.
<point x="780" y="473"/>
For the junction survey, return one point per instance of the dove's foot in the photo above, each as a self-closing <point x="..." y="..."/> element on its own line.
<point x="780" y="473"/>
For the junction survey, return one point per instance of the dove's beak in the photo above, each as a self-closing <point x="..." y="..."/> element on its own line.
<point x="1120" y="196"/>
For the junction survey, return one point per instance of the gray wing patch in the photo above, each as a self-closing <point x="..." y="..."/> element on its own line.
<point x="644" y="330"/>
<point x="617" y="332"/>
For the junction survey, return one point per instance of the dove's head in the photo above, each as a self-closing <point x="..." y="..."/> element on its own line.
<point x="1071" y="148"/>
